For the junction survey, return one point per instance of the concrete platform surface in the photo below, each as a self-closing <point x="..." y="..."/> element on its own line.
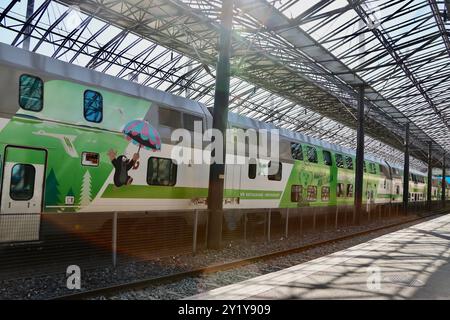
<point x="412" y="263"/>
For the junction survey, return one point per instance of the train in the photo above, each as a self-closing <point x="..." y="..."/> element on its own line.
<point x="59" y="123"/>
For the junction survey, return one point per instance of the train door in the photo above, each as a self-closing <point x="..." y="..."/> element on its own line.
<point x="22" y="193"/>
<point x="369" y="196"/>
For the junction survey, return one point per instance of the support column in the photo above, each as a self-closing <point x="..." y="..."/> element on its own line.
<point x="220" y="122"/>
<point x="27" y="38"/>
<point x="406" y="171"/>
<point x="430" y="175"/>
<point x="444" y="184"/>
<point x="359" y="168"/>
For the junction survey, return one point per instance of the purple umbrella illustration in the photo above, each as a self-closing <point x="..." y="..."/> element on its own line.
<point x="142" y="134"/>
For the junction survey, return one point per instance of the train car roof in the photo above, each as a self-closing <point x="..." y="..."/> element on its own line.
<point x="23" y="59"/>
<point x="245" y="122"/>
<point x="413" y="171"/>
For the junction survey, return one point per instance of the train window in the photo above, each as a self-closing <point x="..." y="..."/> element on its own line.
<point x="311" y="154"/>
<point x="349" y="163"/>
<point x="397" y="190"/>
<point x="31" y="93"/>
<point x="161" y="172"/>
<point x="385" y="171"/>
<point x="93" y="106"/>
<point x="364" y="166"/>
<point x="339" y="160"/>
<point x="311" y="193"/>
<point x="325" y="194"/>
<point x="252" y="169"/>
<point x="22" y="182"/>
<point x="296" y="193"/>
<point x="373" y="168"/>
<point x="349" y="190"/>
<point x="327" y="158"/>
<point x="278" y="175"/>
<point x="340" y="190"/>
<point x="297" y="151"/>
<point x="189" y="121"/>
<point x="169" y="118"/>
<point x="90" y="159"/>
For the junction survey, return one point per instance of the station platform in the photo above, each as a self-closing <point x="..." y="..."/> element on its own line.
<point x="412" y="263"/>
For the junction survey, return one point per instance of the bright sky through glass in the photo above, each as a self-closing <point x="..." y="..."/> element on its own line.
<point x="338" y="33"/>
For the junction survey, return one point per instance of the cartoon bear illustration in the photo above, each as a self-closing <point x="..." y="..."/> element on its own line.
<point x="122" y="165"/>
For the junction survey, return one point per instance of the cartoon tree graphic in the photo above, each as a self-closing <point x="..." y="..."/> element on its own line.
<point x="85" y="194"/>
<point x="51" y="189"/>
<point x="70" y="193"/>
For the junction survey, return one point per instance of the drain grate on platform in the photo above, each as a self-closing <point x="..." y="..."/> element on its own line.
<point x="404" y="280"/>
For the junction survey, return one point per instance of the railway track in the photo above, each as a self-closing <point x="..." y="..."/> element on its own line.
<point x="110" y="291"/>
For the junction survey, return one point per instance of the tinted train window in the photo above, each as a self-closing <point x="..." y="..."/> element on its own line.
<point x="311" y="193"/>
<point x="349" y="190"/>
<point x="340" y="190"/>
<point x="385" y="171"/>
<point x="93" y="106"/>
<point x="189" y="122"/>
<point x="277" y="176"/>
<point x="169" y="118"/>
<point x="161" y="172"/>
<point x="31" y="93"/>
<point x="339" y="160"/>
<point x="252" y="170"/>
<point x="296" y="193"/>
<point x="327" y="158"/>
<point x="349" y="163"/>
<point x="90" y="159"/>
<point x="325" y="194"/>
<point x="22" y="182"/>
<point x="311" y="154"/>
<point x="297" y="151"/>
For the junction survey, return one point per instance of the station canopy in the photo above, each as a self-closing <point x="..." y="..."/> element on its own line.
<point x="295" y="63"/>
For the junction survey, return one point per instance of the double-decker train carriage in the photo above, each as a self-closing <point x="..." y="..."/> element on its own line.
<point x="61" y="125"/>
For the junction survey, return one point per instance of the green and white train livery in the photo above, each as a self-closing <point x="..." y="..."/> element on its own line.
<point x="58" y="122"/>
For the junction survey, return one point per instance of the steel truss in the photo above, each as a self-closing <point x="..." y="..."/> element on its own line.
<point x="294" y="63"/>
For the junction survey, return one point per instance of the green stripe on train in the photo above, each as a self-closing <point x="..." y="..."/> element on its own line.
<point x="161" y="192"/>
